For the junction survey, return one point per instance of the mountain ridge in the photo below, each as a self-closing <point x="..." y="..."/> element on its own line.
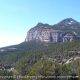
<point x="40" y="24"/>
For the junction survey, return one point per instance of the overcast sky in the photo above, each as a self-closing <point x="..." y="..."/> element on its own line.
<point x="18" y="16"/>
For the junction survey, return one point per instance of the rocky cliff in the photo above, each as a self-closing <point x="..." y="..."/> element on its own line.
<point x="66" y="30"/>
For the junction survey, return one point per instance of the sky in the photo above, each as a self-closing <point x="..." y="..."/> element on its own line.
<point x="18" y="16"/>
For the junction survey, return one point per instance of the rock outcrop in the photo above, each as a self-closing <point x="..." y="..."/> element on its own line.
<point x="66" y="30"/>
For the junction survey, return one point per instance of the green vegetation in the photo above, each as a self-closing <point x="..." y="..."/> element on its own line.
<point x="42" y="59"/>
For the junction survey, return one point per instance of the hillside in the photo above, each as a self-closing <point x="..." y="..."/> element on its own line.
<point x="49" y="49"/>
<point x="65" y="56"/>
<point x="34" y="54"/>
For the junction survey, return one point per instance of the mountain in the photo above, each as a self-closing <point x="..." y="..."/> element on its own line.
<point x="66" y="30"/>
<point x="42" y="58"/>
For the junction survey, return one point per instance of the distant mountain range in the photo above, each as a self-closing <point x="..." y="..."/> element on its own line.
<point x="66" y="30"/>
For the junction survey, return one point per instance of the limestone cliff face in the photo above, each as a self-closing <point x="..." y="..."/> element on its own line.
<point x="47" y="33"/>
<point x="43" y="34"/>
